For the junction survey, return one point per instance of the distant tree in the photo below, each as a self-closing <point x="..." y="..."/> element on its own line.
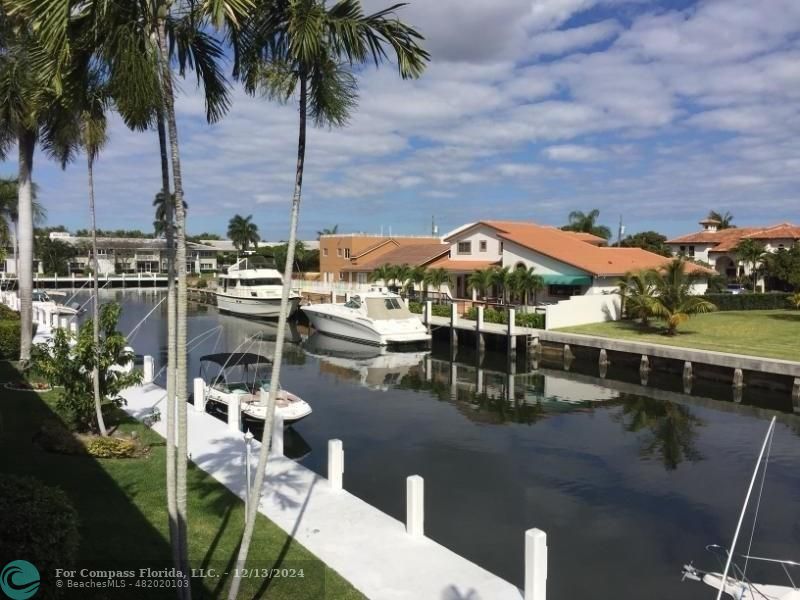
<point x="753" y="253"/>
<point x="9" y="216"/>
<point x="502" y="280"/>
<point x="163" y="212"/>
<point x="382" y="273"/>
<point x="652" y="241"/>
<point x="436" y="278"/>
<point x="587" y="223"/>
<point x="328" y="231"/>
<point x="480" y="281"/>
<point x="243" y="232"/>
<point x="114" y="233"/>
<point x="205" y="236"/>
<point x="54" y="254"/>
<point x="783" y="268"/>
<point x="525" y="282"/>
<point x="416" y="279"/>
<point x="725" y="219"/>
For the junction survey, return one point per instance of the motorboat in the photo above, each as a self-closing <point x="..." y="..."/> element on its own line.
<point x="49" y="301"/>
<point x="377" y="317"/>
<point x="373" y="367"/>
<point x="733" y="580"/>
<point x="247" y="376"/>
<point x="250" y="288"/>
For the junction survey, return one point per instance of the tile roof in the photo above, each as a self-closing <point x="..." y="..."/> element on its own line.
<point x="725" y="240"/>
<point x="462" y="265"/>
<point x="413" y="255"/>
<point x="595" y="240"/>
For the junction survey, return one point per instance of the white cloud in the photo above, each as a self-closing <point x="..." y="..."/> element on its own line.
<point x="573" y="153"/>
<point x="562" y="41"/>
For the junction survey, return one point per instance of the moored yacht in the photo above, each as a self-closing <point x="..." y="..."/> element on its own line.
<point x="250" y="288"/>
<point x="377" y="317"/>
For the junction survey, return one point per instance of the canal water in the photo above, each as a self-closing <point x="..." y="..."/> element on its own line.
<point x="629" y="482"/>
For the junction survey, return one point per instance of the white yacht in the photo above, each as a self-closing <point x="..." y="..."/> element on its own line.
<point x="247" y="375"/>
<point x="250" y="288"/>
<point x="377" y="317"/>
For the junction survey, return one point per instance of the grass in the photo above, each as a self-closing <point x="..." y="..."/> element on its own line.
<point x="768" y="333"/>
<point x="123" y="517"/>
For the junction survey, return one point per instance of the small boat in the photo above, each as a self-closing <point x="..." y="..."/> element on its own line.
<point x="247" y="376"/>
<point x="251" y="289"/>
<point x="43" y="299"/>
<point x="378" y="317"/>
<point x="733" y="580"/>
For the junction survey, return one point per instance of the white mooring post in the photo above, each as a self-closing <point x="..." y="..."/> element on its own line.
<point x="415" y="506"/>
<point x="453" y="315"/>
<point x="428" y="311"/>
<point x="479" y="322"/>
<point x="277" y="435"/>
<point x="148" y="368"/>
<point x="234" y="414"/>
<point x="199" y="395"/>
<point x="535" y="564"/>
<point x="335" y="463"/>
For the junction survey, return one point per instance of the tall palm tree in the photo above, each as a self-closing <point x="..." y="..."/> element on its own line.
<point x="725" y="219"/>
<point x="751" y="253"/>
<point x="383" y="273"/>
<point x="587" y="223"/>
<point x="164" y="213"/>
<point x="526" y="282"/>
<point x="9" y="215"/>
<point x="401" y="275"/>
<point x="309" y="48"/>
<point x="501" y="279"/>
<point x="416" y="279"/>
<point x="674" y="302"/>
<point x="436" y="278"/>
<point x="243" y="232"/>
<point x="480" y="281"/>
<point x="637" y="294"/>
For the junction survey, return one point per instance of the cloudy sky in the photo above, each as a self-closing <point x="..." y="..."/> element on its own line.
<point x="653" y="110"/>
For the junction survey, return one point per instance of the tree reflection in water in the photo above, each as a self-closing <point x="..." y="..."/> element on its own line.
<point x="671" y="429"/>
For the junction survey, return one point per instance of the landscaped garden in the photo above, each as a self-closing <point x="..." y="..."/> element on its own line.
<point x="769" y="333"/>
<point x="122" y="510"/>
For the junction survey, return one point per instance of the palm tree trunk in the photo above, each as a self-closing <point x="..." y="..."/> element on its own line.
<point x="180" y="326"/>
<point x="26" y="142"/>
<point x="258" y="484"/>
<point x="172" y="503"/>
<point x="98" y="404"/>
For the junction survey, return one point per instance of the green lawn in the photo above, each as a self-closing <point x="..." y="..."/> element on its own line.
<point x="123" y="517"/>
<point x="771" y="333"/>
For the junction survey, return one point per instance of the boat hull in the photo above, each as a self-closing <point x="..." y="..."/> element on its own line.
<point x="266" y="308"/>
<point x="360" y="329"/>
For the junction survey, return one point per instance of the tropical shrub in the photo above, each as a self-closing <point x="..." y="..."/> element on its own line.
<point x="491" y="315"/>
<point x="111" y="447"/>
<point x="37" y="523"/>
<point x="438" y="310"/>
<point x="70" y="367"/>
<point x="770" y="301"/>
<point x="416" y="307"/>
<point x="794" y="300"/>
<point x="9" y="339"/>
<point x="673" y="302"/>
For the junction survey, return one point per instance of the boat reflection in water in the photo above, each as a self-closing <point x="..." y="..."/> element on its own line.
<point x="373" y="367"/>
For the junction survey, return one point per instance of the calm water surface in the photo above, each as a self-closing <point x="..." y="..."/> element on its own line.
<point x="628" y="482"/>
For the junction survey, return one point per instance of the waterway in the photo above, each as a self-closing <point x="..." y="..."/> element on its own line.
<point x="629" y="482"/>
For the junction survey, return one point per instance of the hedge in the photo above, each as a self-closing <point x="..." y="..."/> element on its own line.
<point x="491" y="315"/>
<point x="9" y="340"/>
<point x="770" y="301"/>
<point x="39" y="524"/>
<point x="439" y="310"/>
<point x="6" y="314"/>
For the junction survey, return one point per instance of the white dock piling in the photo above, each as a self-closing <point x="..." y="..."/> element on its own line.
<point x="428" y="311"/>
<point x="199" y="395"/>
<point x="535" y="564"/>
<point x="277" y="435"/>
<point x="335" y="463"/>
<point x="415" y="506"/>
<point x="148" y="368"/>
<point x="479" y="323"/>
<point x="234" y="413"/>
<point x="453" y="315"/>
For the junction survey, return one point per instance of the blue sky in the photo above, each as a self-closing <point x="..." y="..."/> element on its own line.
<point x="656" y="111"/>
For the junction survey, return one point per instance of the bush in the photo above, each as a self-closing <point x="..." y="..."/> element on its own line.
<point x="771" y="301"/>
<point x="110" y="447"/>
<point x="438" y="310"/>
<point x="492" y="315"/>
<point x="37" y="523"/>
<point x="416" y="307"/>
<point x="9" y="339"/>
<point x="6" y="314"/>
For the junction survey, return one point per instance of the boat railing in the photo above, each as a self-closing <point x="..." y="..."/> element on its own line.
<point x="740" y="573"/>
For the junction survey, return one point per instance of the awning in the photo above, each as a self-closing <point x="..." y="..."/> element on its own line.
<point x="567" y="280"/>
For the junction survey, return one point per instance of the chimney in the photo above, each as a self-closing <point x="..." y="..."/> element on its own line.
<point x="710" y="225"/>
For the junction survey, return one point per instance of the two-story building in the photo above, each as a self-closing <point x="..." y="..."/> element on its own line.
<point x="718" y="247"/>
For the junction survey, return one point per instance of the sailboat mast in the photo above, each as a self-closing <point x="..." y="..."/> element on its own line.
<point x="744" y="509"/>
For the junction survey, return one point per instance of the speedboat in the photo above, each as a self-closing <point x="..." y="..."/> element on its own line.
<point x="247" y="376"/>
<point x="733" y="581"/>
<point x="377" y="317"/>
<point x="251" y="289"/>
<point x="45" y="300"/>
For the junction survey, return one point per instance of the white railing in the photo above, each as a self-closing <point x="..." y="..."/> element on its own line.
<point x="323" y="287"/>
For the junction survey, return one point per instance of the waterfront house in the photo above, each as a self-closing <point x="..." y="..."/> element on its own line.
<point x="717" y="247"/>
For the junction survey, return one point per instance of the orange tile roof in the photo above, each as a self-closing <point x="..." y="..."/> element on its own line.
<point x="462" y="265"/>
<point x="374" y="246"/>
<point x="413" y="255"/>
<point x="595" y="240"/>
<point x="725" y="240"/>
<point x="783" y="231"/>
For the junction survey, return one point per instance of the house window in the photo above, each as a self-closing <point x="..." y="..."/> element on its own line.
<point x="691" y="251"/>
<point x="563" y="291"/>
<point x="102" y="252"/>
<point x="465" y="247"/>
<point x="683" y="250"/>
<point x="324" y="252"/>
<point x="482" y="245"/>
<point x="206" y="266"/>
<point x="347" y="252"/>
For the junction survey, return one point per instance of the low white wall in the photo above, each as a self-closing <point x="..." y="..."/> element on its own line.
<point x="581" y="310"/>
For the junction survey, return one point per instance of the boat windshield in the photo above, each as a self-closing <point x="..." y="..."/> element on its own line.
<point x="354" y="302"/>
<point x="387" y="308"/>
<point x="261" y="281"/>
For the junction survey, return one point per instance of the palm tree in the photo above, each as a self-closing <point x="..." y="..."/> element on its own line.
<point x="243" y="232"/>
<point x="525" y="282"/>
<point x="9" y="202"/>
<point x="587" y="223"/>
<point x="309" y="48"/>
<point x="480" y="281"/>
<point x="328" y="231"/>
<point x="501" y="280"/>
<point x="637" y="294"/>
<point x="751" y="253"/>
<point x="725" y="219"/>
<point x="416" y="279"/>
<point x="674" y="302"/>
<point x="383" y="273"/>
<point x="164" y="213"/>
<point x="400" y="275"/>
<point x="436" y="278"/>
